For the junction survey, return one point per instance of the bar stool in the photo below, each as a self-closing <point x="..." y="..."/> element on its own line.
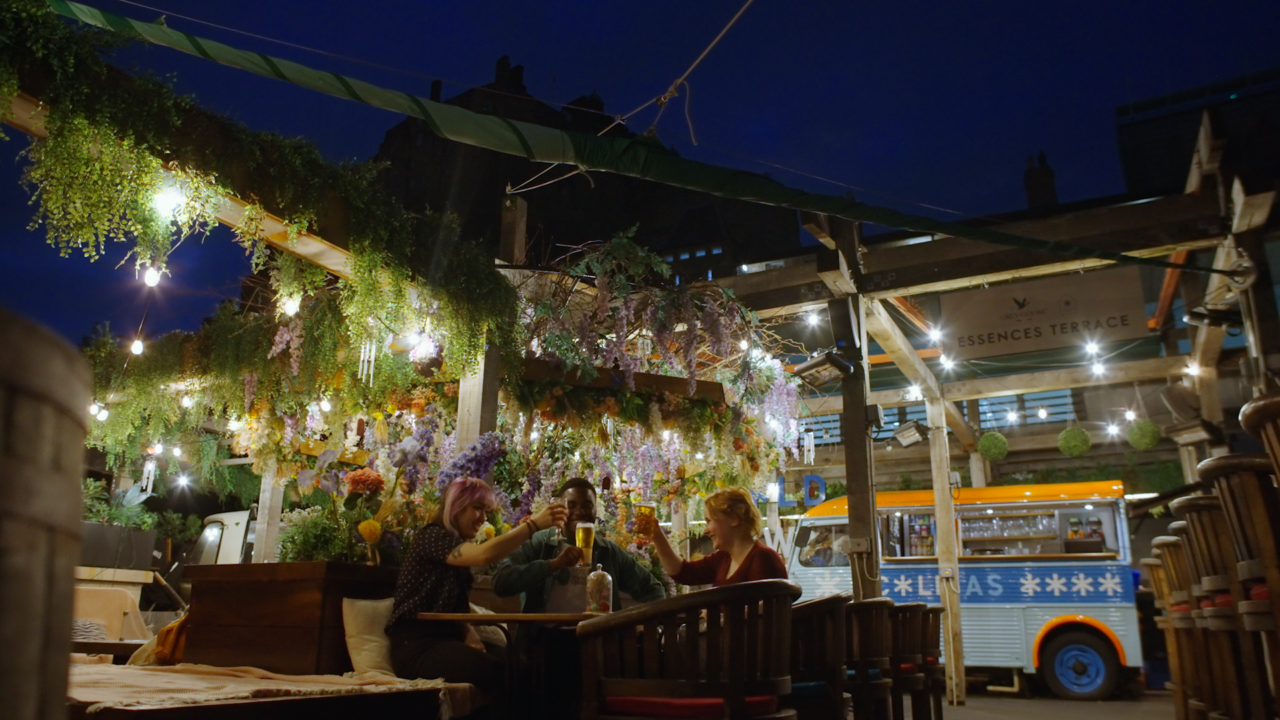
<point x="867" y="657"/>
<point x="1246" y="486"/>
<point x="935" y="673"/>
<point x="1154" y="567"/>
<point x="1234" y="654"/>
<point x="1187" y="638"/>
<point x="907" y="624"/>
<point x="1260" y="418"/>
<point x="818" y="669"/>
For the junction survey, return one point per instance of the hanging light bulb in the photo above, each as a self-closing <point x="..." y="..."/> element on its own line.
<point x="666" y="434"/>
<point x="1193" y="369"/>
<point x="1091" y="348"/>
<point x="177" y="452"/>
<point x="1113" y="429"/>
<point x="182" y="480"/>
<point x="947" y="363"/>
<point x="935" y="334"/>
<point x="102" y="414"/>
<point x="157" y="448"/>
<point x="151" y="277"/>
<point x="1099" y="368"/>
<point x="533" y="435"/>
<point x="290" y="306"/>
<point x="235" y="425"/>
<point x="812" y="319"/>
<point x="94" y="408"/>
<point x="136" y="347"/>
<point x="1012" y="416"/>
<point x="187" y="401"/>
<point x="325" y="406"/>
<point x="168" y="200"/>
<point x="1042" y="413"/>
<point x="1130" y="415"/>
<point x="743" y="345"/>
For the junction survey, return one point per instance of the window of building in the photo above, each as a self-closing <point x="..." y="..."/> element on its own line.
<point x="684" y="256"/>
<point x="716" y="251"/>
<point x="700" y="253"/>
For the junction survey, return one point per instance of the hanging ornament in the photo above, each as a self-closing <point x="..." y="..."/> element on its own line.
<point x="810" y="451"/>
<point x="148" y="474"/>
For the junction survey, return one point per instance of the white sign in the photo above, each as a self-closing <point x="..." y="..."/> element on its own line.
<point x="1066" y="311"/>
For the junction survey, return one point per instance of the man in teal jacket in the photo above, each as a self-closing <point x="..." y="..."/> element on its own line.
<point x="539" y="565"/>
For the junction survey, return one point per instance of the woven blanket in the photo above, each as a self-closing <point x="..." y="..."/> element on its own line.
<point x="131" y="686"/>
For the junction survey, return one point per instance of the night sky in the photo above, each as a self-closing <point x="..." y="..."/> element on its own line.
<point x="911" y="102"/>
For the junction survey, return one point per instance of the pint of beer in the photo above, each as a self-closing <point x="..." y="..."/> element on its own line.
<point x="646" y="518"/>
<point x="586" y="539"/>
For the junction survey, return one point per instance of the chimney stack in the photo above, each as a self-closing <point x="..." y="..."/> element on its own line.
<point x="1042" y="190"/>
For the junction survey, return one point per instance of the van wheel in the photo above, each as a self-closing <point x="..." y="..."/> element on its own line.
<point x="1080" y="666"/>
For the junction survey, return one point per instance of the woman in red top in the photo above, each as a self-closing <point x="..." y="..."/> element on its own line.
<point x="733" y="524"/>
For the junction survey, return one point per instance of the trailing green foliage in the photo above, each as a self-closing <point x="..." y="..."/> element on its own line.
<point x="178" y="527"/>
<point x="119" y="507"/>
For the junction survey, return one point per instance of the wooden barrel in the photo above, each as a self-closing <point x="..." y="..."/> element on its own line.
<point x="45" y="392"/>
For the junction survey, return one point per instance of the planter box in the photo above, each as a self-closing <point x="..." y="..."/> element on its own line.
<point x="112" y="546"/>
<point x="281" y="617"/>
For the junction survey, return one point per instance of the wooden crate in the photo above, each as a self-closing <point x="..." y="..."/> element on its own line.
<point x="282" y="617"/>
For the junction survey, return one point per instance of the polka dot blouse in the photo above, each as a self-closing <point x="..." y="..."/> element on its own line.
<point x="428" y="584"/>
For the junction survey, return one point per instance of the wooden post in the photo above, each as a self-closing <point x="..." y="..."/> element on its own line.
<point x="859" y="482"/>
<point x="478" y="391"/>
<point x="947" y="547"/>
<point x="266" y="534"/>
<point x="979" y="470"/>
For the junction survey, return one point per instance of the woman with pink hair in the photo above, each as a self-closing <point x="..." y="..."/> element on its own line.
<point x="435" y="576"/>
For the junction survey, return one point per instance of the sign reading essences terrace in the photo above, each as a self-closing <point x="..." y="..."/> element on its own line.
<point x="1064" y="311"/>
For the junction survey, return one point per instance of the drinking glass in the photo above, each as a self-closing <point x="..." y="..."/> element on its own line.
<point x="646" y="518"/>
<point x="586" y="533"/>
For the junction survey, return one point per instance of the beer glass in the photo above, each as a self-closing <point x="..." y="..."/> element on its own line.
<point x="646" y="518"/>
<point x="586" y="539"/>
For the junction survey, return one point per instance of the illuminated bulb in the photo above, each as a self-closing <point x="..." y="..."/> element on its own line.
<point x="187" y="401"/>
<point x="1042" y="413"/>
<point x="1012" y="416"/>
<point x="744" y="268"/>
<point x="533" y="435"/>
<point x="102" y="414"/>
<point x="935" y="334"/>
<point x="1113" y="429"/>
<point x="990" y="511"/>
<point x="742" y="345"/>
<point x="1091" y="348"/>
<point x="1130" y="415"/>
<point x="136" y="347"/>
<point x="756" y="352"/>
<point x="697" y="456"/>
<point x="167" y="201"/>
<point x="325" y="406"/>
<point x="182" y="479"/>
<point x="947" y="362"/>
<point x="1088" y="507"/>
<point x="235" y="425"/>
<point x="177" y="452"/>
<point x="812" y="318"/>
<point x="93" y="409"/>
<point x="151" y="277"/>
<point x="1099" y="368"/>
<point x="1193" y="369"/>
<point x="159" y="448"/>
<point x="666" y="434"/>
<point x="290" y="306"/>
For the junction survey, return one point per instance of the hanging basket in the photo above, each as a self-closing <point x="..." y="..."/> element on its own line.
<point x="1074" y="442"/>
<point x="1144" y="434"/>
<point x="993" y="446"/>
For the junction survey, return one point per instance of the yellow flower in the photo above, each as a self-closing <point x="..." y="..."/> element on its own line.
<point x="488" y="532"/>
<point x="370" y="530"/>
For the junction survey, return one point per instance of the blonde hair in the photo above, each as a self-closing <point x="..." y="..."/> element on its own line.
<point x="735" y="503"/>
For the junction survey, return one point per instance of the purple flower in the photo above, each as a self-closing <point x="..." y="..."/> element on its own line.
<point x="476" y="461"/>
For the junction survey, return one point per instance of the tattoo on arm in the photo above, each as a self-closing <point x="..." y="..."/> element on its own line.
<point x="457" y="553"/>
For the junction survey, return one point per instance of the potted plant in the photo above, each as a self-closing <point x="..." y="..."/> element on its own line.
<point x="118" y="528"/>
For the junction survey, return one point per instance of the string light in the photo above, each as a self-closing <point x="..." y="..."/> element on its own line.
<point x="136" y="347"/>
<point x="159" y="448"/>
<point x="94" y="408"/>
<point x="743" y="345"/>
<point x="177" y="452"/>
<point x="1130" y="415"/>
<point x="935" y="334"/>
<point x="290" y="306"/>
<point x="235" y="425"/>
<point x="102" y="414"/>
<point x="1091" y="348"/>
<point x="666" y="434"/>
<point x="151" y="277"/>
<point x="947" y="363"/>
<point x="1193" y="369"/>
<point x="168" y="200"/>
<point x="325" y="406"/>
<point x="1099" y="368"/>
<point x="187" y="401"/>
<point x="1012" y="416"/>
<point x="812" y="319"/>
<point x="533" y="435"/>
<point x="182" y="480"/>
<point x="1042" y="413"/>
<point x="1113" y="429"/>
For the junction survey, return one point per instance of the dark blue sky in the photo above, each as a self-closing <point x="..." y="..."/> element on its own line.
<point x="931" y="102"/>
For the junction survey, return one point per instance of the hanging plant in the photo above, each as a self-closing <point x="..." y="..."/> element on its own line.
<point x="1074" y="442"/>
<point x="1144" y="434"/>
<point x="993" y="446"/>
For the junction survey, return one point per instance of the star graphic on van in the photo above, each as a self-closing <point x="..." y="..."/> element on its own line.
<point x="1081" y="584"/>
<point x="1056" y="585"/>
<point x="1110" y="584"/>
<point x="1023" y="303"/>
<point x="1030" y="585"/>
<point x="902" y="585"/>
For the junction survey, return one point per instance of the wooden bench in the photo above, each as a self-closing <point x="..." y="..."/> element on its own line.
<point x="906" y="662"/>
<point x="867" y="656"/>
<point x="818" y="668"/>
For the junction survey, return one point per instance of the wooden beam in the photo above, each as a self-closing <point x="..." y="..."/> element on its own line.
<point x="1168" y="289"/>
<point x="1021" y="384"/>
<point x="947" y="549"/>
<point x="1206" y="348"/>
<point x="1251" y="206"/>
<point x="881" y="326"/>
